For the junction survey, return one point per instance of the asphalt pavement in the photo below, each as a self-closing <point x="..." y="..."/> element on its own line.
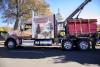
<point x="48" y="57"/>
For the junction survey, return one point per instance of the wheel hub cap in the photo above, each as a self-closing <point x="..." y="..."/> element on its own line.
<point x="10" y="44"/>
<point x="67" y="45"/>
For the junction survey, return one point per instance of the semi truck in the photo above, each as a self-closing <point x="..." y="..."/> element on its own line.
<point x="78" y="32"/>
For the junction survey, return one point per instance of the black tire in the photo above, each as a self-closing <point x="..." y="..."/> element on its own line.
<point x="67" y="45"/>
<point x="10" y="44"/>
<point x="84" y="45"/>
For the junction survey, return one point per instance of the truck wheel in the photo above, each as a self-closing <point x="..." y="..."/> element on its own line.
<point x="10" y="44"/>
<point x="67" y="45"/>
<point x="84" y="45"/>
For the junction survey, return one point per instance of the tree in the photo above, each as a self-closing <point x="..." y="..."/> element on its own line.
<point x="38" y="30"/>
<point x="23" y="8"/>
<point x="0" y="2"/>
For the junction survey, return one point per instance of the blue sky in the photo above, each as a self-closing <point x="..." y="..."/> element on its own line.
<point x="91" y="10"/>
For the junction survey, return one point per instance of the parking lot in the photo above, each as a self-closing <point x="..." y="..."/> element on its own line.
<point x="47" y="57"/>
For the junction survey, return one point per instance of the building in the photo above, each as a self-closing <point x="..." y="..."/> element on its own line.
<point x="59" y="19"/>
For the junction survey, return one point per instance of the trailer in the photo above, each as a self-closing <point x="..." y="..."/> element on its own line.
<point x="80" y="33"/>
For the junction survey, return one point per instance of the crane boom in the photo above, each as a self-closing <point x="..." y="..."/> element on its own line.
<point x="78" y="9"/>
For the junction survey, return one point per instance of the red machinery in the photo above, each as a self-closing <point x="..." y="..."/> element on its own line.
<point x="82" y="26"/>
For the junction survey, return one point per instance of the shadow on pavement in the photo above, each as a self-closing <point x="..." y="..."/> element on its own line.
<point x="59" y="56"/>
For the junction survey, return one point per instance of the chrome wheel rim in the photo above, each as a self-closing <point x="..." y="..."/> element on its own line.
<point x="83" y="45"/>
<point x="67" y="45"/>
<point x="10" y="44"/>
